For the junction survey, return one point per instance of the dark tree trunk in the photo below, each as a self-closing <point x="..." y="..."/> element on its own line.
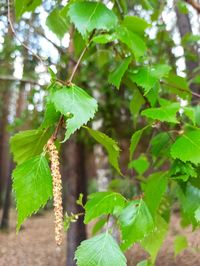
<point x="184" y="27"/>
<point x="75" y="180"/>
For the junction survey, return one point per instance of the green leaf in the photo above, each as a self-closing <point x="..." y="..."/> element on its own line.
<point x="104" y="38"/>
<point x="135" y="223"/>
<point x="116" y="76"/>
<point x="136" y="103"/>
<point x="144" y="263"/>
<point x="146" y="76"/>
<point x="22" y="6"/>
<point x="135" y="140"/>
<point x="100" y="203"/>
<point x="32" y="183"/>
<point x="187" y="147"/>
<point x="75" y="101"/>
<point x="153" y="195"/>
<point x="165" y="113"/>
<point x="50" y="116"/>
<point x="134" y="42"/>
<point x="160" y="143"/>
<point x="27" y="144"/>
<point x="135" y="24"/>
<point x="109" y="144"/>
<point x="177" y="85"/>
<point x="88" y="16"/>
<point x="197" y="214"/>
<point x="153" y="242"/>
<point x="57" y="23"/>
<point x="101" y="250"/>
<point x="180" y="243"/>
<point x="190" y="113"/>
<point x="140" y="165"/>
<point x="99" y="225"/>
<point x="183" y="171"/>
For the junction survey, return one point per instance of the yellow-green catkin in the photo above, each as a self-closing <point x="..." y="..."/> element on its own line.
<point x="57" y="191"/>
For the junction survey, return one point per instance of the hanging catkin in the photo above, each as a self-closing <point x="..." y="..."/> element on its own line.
<point x="57" y="190"/>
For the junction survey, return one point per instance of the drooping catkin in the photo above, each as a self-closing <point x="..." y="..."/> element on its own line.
<point x="57" y="190"/>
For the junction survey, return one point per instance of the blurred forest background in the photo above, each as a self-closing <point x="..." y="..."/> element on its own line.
<point x="173" y="38"/>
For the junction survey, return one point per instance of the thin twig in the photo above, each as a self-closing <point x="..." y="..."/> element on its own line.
<point x="17" y="38"/>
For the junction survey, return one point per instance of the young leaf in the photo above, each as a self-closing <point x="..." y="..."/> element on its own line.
<point x="135" y="223"/>
<point x="98" y="226"/>
<point x="32" y="183"/>
<point x="101" y="250"/>
<point x="100" y="203"/>
<point x="146" y="76"/>
<point x="57" y="23"/>
<point x="27" y="144"/>
<point x="22" y="6"/>
<point x="75" y="101"/>
<point x="135" y="24"/>
<point x="140" y="165"/>
<point x="135" y="140"/>
<point x="153" y="242"/>
<point x="110" y="145"/>
<point x="134" y="42"/>
<point x="180" y="243"/>
<point x="116" y="76"/>
<point x="187" y="147"/>
<point x="153" y="195"/>
<point x="88" y="16"/>
<point x="165" y="113"/>
<point x="50" y="116"/>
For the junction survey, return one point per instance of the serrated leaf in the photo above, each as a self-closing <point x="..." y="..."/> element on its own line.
<point x="101" y="250"/>
<point x="153" y="242"/>
<point x="110" y="145"/>
<point x="153" y="195"/>
<point x="29" y="143"/>
<point x="57" y="23"/>
<point x="75" y="101"/>
<point x="135" y="140"/>
<point x="116" y="76"/>
<point x="22" y="6"/>
<point x="135" y="223"/>
<point x="88" y="16"/>
<point x="100" y="203"/>
<point x="134" y="42"/>
<point x="147" y="76"/>
<point x="135" y="24"/>
<point x="180" y="243"/>
<point x="32" y="183"/>
<point x="187" y="147"/>
<point x="50" y="116"/>
<point x="165" y="113"/>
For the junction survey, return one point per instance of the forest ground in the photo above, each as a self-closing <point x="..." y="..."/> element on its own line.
<point x="35" y="246"/>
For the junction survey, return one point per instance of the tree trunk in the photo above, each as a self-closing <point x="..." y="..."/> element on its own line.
<point x="75" y="179"/>
<point x="184" y="27"/>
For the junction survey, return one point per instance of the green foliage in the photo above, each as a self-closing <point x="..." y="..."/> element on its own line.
<point x="100" y="250"/>
<point x="135" y="24"/>
<point x="32" y="183"/>
<point x="26" y="144"/>
<point x="57" y="23"/>
<point x="100" y="203"/>
<point x="88" y="16"/>
<point x="180" y="243"/>
<point x="146" y="77"/>
<point x="153" y="195"/>
<point x="165" y="113"/>
<point x="187" y="147"/>
<point x="76" y="102"/>
<point x="159" y="143"/>
<point x="109" y="144"/>
<point x="135" y="223"/>
<point x="50" y="116"/>
<point x="99" y="225"/>
<point x="140" y="165"/>
<point x="116" y="76"/>
<point x="22" y="6"/>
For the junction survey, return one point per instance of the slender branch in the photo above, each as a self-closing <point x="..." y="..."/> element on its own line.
<point x="55" y="134"/>
<point x="17" y="38"/>
<point x="194" y="4"/>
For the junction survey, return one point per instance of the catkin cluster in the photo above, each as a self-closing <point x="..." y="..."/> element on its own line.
<point x="57" y="191"/>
